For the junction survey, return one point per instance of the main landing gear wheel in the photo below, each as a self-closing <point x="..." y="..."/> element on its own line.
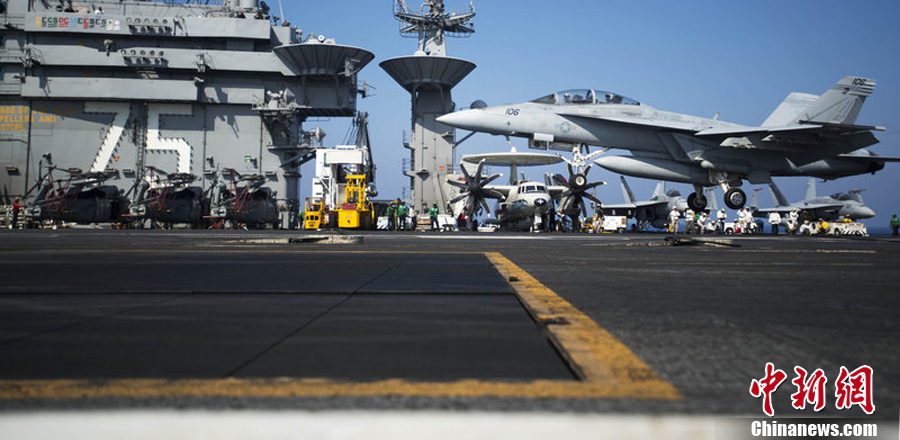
<point x="735" y="198"/>
<point x="697" y="202"/>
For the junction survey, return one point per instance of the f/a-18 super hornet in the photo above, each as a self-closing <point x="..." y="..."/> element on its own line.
<point x="807" y="135"/>
<point x="831" y="208"/>
<point x="524" y="203"/>
<point x="651" y="212"/>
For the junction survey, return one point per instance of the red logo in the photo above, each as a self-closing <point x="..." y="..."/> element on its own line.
<point x="855" y="388"/>
<point x="766" y="386"/>
<point x="851" y="388"/>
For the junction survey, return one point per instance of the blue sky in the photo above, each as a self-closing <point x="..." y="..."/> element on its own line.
<point x="737" y="58"/>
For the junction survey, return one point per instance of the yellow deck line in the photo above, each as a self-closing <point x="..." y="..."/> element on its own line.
<point x="609" y="369"/>
<point x="600" y="358"/>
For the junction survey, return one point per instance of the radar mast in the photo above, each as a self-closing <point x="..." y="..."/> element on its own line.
<point x="429" y="76"/>
<point x="432" y="24"/>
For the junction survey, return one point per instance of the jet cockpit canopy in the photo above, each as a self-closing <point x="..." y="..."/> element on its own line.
<point x="585" y="96"/>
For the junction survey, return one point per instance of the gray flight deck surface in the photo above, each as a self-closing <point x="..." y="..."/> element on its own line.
<point x="432" y="309"/>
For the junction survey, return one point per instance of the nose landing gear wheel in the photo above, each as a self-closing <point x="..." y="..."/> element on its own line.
<point x="697" y="202"/>
<point x="735" y="198"/>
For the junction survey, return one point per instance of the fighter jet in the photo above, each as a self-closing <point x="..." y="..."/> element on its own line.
<point x="651" y="212"/>
<point x="524" y="203"/>
<point x="831" y="208"/>
<point x="807" y="135"/>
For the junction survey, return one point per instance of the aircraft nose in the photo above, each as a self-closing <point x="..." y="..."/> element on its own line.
<point x="539" y="202"/>
<point x="864" y="212"/>
<point x="464" y="119"/>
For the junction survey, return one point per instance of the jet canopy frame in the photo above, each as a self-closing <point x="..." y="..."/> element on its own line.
<point x="585" y="97"/>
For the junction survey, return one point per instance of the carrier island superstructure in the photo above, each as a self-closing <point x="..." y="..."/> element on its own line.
<point x="184" y="110"/>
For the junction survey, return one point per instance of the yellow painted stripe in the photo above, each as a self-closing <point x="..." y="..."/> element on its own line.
<point x="600" y="358"/>
<point x="289" y="387"/>
<point x="609" y="369"/>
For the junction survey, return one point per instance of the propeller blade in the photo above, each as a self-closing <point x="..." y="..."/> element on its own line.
<point x="493" y="193"/>
<point x="470" y="205"/>
<point x="457" y="184"/>
<point x="594" y="184"/>
<point x="465" y="173"/>
<point x="571" y="170"/>
<point x="583" y="208"/>
<point x="478" y="170"/>
<point x="485" y="205"/>
<point x="490" y="179"/>
<point x="594" y="199"/>
<point x="587" y="169"/>
<point x="459" y="197"/>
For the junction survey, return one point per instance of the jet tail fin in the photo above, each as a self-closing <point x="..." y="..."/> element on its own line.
<point x="789" y="110"/>
<point x="841" y="103"/>
<point x="811" y="188"/>
<point x="778" y="196"/>
<point x="754" y="199"/>
<point x="660" y="190"/>
<point x="626" y="191"/>
<point x="855" y="194"/>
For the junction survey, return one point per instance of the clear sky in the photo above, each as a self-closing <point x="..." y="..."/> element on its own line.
<point x="737" y="58"/>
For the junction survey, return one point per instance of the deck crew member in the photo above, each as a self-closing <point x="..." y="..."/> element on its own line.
<point x="391" y="209"/>
<point x="673" y="220"/>
<point x="433" y="214"/>
<point x="402" y="212"/>
<point x="775" y="221"/>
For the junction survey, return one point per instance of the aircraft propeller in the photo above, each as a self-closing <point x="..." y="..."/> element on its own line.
<point x="474" y="190"/>
<point x="572" y="199"/>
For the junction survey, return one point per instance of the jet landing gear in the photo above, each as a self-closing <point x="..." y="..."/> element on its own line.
<point x="735" y="198"/>
<point x="697" y="201"/>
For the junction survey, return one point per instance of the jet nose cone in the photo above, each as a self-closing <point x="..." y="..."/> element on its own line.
<point x="465" y="119"/>
<point x="864" y="212"/>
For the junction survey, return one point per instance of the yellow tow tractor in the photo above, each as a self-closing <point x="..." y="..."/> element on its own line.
<point x="357" y="212"/>
<point x="314" y="213"/>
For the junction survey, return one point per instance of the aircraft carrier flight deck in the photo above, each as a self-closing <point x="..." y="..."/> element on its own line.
<point x="631" y="324"/>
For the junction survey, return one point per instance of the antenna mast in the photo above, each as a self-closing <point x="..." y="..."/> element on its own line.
<point x="432" y="23"/>
<point x="429" y="75"/>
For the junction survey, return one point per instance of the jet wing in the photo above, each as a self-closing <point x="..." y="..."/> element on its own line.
<point x="869" y="158"/>
<point x="804" y="127"/>
<point x="649" y="123"/>
<point x="807" y="207"/>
